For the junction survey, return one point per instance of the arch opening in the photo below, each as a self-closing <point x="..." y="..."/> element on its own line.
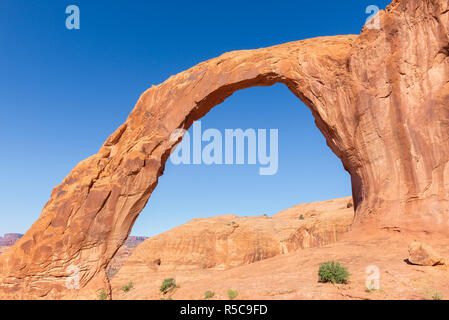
<point x="308" y="170"/>
<point x="236" y="195"/>
<point x="90" y="215"/>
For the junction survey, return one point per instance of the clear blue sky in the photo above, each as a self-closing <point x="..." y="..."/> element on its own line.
<point x="62" y="93"/>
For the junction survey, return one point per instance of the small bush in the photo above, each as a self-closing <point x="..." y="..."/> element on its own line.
<point x="232" y="294"/>
<point x="168" y="285"/>
<point x="301" y="217"/>
<point x="102" y="295"/>
<point x="208" y="294"/>
<point x="333" y="272"/>
<point x="127" y="287"/>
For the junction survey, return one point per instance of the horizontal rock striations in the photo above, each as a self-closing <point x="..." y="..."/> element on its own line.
<point x="228" y="241"/>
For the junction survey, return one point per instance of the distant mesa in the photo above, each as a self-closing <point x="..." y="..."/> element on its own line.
<point x="9" y="239"/>
<point x="134" y="241"/>
<point x="123" y="254"/>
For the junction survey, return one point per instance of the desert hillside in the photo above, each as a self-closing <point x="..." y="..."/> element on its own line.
<point x="295" y="275"/>
<point x="278" y="258"/>
<point x="226" y="242"/>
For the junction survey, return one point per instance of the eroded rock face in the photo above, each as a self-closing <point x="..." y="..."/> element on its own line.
<point x="123" y="254"/>
<point x="381" y="100"/>
<point x="228" y="241"/>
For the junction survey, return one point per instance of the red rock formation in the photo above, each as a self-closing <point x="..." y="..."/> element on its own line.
<point x="123" y="254"/>
<point x="228" y="241"/>
<point x="294" y="275"/>
<point x="381" y="100"/>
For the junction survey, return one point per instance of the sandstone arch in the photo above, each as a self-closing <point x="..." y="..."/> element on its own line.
<point x="381" y="100"/>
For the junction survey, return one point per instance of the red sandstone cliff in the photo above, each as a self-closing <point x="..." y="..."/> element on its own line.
<point x="229" y="241"/>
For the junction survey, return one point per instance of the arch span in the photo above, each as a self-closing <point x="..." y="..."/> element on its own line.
<point x="379" y="100"/>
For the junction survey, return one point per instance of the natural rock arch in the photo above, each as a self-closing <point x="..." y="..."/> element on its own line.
<point x="381" y="100"/>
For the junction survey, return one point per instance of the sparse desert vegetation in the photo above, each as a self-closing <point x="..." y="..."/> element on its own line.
<point x="168" y="285"/>
<point x="127" y="287"/>
<point x="232" y="294"/>
<point x="102" y="294"/>
<point x="333" y="272"/>
<point x="209" y="294"/>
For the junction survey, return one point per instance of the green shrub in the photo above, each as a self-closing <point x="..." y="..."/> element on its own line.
<point x="232" y="294"/>
<point x="168" y="285"/>
<point x="301" y="217"/>
<point x="208" y="294"/>
<point x="102" y="295"/>
<point x="333" y="272"/>
<point x="127" y="287"/>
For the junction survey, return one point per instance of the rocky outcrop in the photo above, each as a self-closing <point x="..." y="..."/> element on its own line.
<point x="380" y="99"/>
<point x="423" y="255"/>
<point x="228" y="241"/>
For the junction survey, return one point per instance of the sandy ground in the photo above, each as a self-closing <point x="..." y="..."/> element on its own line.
<point x="294" y="275"/>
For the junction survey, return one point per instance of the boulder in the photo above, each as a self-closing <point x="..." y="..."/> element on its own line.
<point x="423" y="255"/>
